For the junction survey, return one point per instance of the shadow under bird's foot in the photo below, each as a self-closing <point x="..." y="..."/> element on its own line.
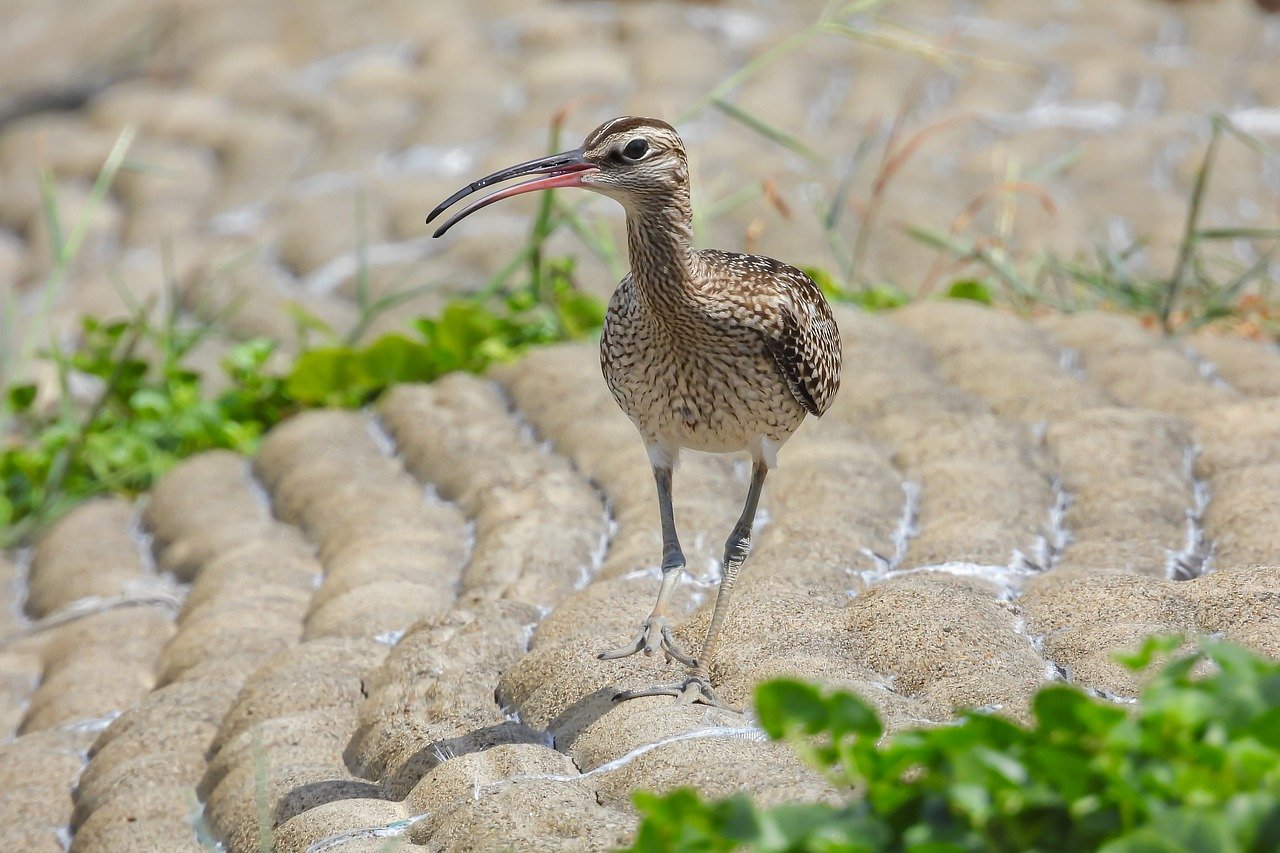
<point x="694" y="690"/>
<point x="654" y="636"/>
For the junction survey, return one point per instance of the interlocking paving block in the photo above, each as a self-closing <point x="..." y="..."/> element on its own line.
<point x="96" y="666"/>
<point x="159" y="741"/>
<point x="1243" y="605"/>
<point x="1135" y="366"/>
<point x="305" y="697"/>
<point x="1241" y="498"/>
<point x="1237" y="437"/>
<point x="533" y="816"/>
<point x="1251" y="367"/>
<point x="433" y="698"/>
<point x="1128" y="476"/>
<point x="1084" y="619"/>
<point x="139" y="789"/>
<point x="219" y="479"/>
<point x="1002" y="359"/>
<point x="38" y="772"/>
<point x="946" y="642"/>
<point x="346" y="825"/>
<point x="168" y="815"/>
<point x="985" y="487"/>
<point x="20" y="656"/>
<point x="88" y="553"/>
<point x="352" y="498"/>
<point x="719" y="767"/>
<point x="532" y="513"/>
<point x="835" y="505"/>
<point x="93" y="668"/>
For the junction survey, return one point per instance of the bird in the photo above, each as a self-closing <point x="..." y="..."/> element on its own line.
<point x="704" y="350"/>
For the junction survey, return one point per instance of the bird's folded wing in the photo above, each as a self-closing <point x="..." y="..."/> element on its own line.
<point x="794" y="321"/>
<point x="805" y="344"/>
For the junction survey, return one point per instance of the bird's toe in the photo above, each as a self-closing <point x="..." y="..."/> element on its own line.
<point x="694" y="690"/>
<point x="654" y="636"/>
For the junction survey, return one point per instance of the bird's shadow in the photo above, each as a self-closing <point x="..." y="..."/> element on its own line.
<point x="558" y="735"/>
<point x="400" y="782"/>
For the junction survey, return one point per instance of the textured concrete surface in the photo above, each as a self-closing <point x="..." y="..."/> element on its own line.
<point x="385" y="624"/>
<point x="381" y="631"/>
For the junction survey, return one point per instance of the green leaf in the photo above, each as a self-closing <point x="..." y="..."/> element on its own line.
<point x="786" y="705"/>
<point x="1061" y="710"/>
<point x="328" y="376"/>
<point x="1266" y="728"/>
<point x="681" y="821"/>
<point x="819" y="826"/>
<point x="580" y="314"/>
<point x="1152" y="647"/>
<point x="247" y="356"/>
<point x="848" y="714"/>
<point x="21" y="397"/>
<point x="1145" y="840"/>
<point x="395" y="358"/>
<point x="879" y="297"/>
<point x="971" y="289"/>
<point x="826" y="281"/>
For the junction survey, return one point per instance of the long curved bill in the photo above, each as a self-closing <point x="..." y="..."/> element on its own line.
<point x="562" y="170"/>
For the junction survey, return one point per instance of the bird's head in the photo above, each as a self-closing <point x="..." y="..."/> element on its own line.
<point x="638" y="162"/>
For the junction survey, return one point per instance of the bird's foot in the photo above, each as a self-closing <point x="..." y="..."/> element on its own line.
<point x="654" y="636"/>
<point x="694" y="690"/>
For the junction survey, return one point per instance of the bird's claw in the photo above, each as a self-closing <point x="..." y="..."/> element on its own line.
<point x="694" y="690"/>
<point x="654" y="636"/>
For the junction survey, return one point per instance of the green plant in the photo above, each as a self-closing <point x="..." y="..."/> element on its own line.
<point x="532" y="300"/>
<point x="470" y="334"/>
<point x="143" y="415"/>
<point x="875" y="297"/>
<point x="19" y="341"/>
<point x="1194" y="767"/>
<point x="1201" y="287"/>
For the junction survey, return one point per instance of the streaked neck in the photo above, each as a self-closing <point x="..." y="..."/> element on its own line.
<point x="660" y="243"/>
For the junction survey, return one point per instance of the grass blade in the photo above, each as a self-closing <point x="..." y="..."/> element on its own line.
<point x="101" y="186"/>
<point x="768" y="131"/>
<point x="1237" y="234"/>
<point x="1187" y="247"/>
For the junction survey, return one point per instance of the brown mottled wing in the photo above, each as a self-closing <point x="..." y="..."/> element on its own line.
<point x="792" y="316"/>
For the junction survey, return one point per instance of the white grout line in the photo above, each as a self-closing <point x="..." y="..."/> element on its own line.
<point x="1049" y="546"/>
<point x="1206" y="368"/>
<point x="387" y="830"/>
<point x="751" y="733"/>
<point x="158" y="591"/>
<point x="258" y="491"/>
<point x="1196" y="555"/>
<point x="906" y="530"/>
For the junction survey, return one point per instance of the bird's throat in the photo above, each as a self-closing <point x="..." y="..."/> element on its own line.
<point x="663" y="259"/>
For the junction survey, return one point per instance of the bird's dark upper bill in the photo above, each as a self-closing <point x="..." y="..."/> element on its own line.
<point x="562" y="170"/>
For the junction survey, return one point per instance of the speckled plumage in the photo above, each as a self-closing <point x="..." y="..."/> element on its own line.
<point x="749" y="350"/>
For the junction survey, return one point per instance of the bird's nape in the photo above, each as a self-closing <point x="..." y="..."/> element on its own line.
<point x="562" y="170"/>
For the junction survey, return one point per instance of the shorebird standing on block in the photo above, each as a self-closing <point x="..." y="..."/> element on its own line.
<point x="705" y="350"/>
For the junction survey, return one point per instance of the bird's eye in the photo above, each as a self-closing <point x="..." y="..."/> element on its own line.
<point x="636" y="149"/>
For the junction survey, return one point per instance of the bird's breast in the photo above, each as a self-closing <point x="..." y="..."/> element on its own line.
<point x="694" y="385"/>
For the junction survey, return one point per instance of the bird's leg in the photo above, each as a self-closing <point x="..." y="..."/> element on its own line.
<point x="655" y="634"/>
<point x="697" y="686"/>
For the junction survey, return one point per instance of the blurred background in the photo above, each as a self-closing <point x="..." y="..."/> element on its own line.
<point x="270" y="164"/>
